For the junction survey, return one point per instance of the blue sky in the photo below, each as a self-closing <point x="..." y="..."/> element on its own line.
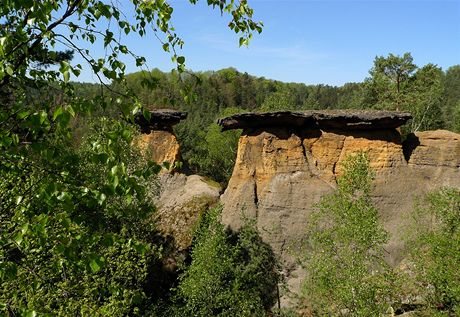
<point x="329" y="42"/>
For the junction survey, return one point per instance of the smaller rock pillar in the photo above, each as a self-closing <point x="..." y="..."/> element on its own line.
<point x="158" y="141"/>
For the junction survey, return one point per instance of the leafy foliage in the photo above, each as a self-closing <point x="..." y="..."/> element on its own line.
<point x="344" y="255"/>
<point x="451" y="97"/>
<point x="436" y="241"/>
<point x="229" y="275"/>
<point x="214" y="152"/>
<point x="73" y="229"/>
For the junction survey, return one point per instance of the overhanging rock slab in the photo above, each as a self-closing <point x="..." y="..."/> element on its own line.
<point x="317" y="119"/>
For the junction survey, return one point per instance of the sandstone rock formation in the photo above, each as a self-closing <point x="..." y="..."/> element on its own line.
<point x="157" y="140"/>
<point x="160" y="119"/>
<point x="433" y="148"/>
<point x="287" y="161"/>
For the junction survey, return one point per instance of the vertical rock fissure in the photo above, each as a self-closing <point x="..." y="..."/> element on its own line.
<point x="311" y="166"/>
<point x="256" y="198"/>
<point x="334" y="165"/>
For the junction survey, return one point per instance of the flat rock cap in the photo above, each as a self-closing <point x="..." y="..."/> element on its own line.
<point x="340" y="119"/>
<point x="159" y="119"/>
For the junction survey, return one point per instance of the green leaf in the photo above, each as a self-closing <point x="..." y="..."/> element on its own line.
<point x="70" y="110"/>
<point x="181" y="59"/>
<point x="95" y="267"/>
<point x="22" y="114"/>
<point x="123" y="49"/>
<point x="18" y="200"/>
<point x="114" y="170"/>
<point x="147" y="114"/>
<point x="9" y="70"/>
<point x="43" y="116"/>
<point x="18" y="237"/>
<point x="57" y="113"/>
<point x="102" y="197"/>
<point x="115" y="182"/>
<point x="30" y="313"/>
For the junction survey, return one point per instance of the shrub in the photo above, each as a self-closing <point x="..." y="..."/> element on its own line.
<point x="344" y="260"/>
<point x="230" y="274"/>
<point x="436" y="250"/>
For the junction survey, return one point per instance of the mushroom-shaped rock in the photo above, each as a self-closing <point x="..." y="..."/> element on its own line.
<point x="157" y="140"/>
<point x="287" y="161"/>
<point x="324" y="138"/>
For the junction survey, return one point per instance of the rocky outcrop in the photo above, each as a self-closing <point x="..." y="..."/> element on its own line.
<point x="160" y="119"/>
<point x="157" y="140"/>
<point x="160" y="146"/>
<point x="439" y="148"/>
<point x="287" y="161"/>
<point x="182" y="201"/>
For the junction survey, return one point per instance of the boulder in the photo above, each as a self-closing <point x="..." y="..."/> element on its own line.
<point x="181" y="202"/>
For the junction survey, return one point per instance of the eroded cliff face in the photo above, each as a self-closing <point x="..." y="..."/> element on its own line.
<point x="283" y="169"/>
<point x="161" y="146"/>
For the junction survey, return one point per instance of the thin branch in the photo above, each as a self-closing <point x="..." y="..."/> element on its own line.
<point x="71" y="9"/>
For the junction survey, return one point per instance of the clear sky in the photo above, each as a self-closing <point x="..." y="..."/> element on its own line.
<point x="329" y="42"/>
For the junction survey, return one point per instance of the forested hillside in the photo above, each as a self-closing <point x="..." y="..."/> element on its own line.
<point x="431" y="94"/>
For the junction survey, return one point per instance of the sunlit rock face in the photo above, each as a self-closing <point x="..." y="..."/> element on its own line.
<point x="157" y="140"/>
<point x="287" y="161"/>
<point x="439" y="148"/>
<point x="160" y="146"/>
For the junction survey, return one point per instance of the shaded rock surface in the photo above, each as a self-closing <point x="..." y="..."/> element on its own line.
<point x="181" y="202"/>
<point x="282" y="171"/>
